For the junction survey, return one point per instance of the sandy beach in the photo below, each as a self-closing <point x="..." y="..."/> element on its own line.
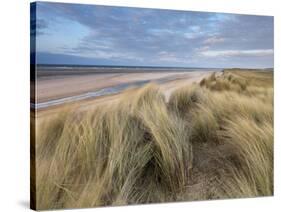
<point x="50" y="89"/>
<point x="62" y="88"/>
<point x="56" y="88"/>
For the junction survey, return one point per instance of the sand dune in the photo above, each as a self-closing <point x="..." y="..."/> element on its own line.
<point x="211" y="140"/>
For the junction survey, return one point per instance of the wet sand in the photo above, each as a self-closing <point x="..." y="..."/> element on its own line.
<point x="50" y="88"/>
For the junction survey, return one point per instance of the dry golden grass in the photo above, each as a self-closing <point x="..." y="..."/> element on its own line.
<point x="210" y="141"/>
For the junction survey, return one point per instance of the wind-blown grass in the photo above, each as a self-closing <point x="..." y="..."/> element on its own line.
<point x="209" y="141"/>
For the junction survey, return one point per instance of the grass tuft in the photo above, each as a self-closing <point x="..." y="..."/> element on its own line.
<point x="213" y="140"/>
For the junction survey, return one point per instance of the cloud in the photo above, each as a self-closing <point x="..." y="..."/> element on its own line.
<point x="132" y="35"/>
<point x="37" y="26"/>
<point x="213" y="40"/>
<point x="235" y="53"/>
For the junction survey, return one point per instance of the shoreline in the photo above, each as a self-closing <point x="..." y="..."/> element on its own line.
<point x="167" y="87"/>
<point x="56" y="92"/>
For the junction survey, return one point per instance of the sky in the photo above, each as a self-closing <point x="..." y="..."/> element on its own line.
<point x="101" y="35"/>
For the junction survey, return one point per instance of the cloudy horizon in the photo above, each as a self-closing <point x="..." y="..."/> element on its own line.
<point x="103" y="35"/>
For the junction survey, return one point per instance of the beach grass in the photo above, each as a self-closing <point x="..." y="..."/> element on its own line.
<point x="211" y="140"/>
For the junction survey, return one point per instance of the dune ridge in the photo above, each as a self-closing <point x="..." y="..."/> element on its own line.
<point x="211" y="140"/>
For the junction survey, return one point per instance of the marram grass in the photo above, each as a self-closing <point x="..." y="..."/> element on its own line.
<point x="213" y="140"/>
